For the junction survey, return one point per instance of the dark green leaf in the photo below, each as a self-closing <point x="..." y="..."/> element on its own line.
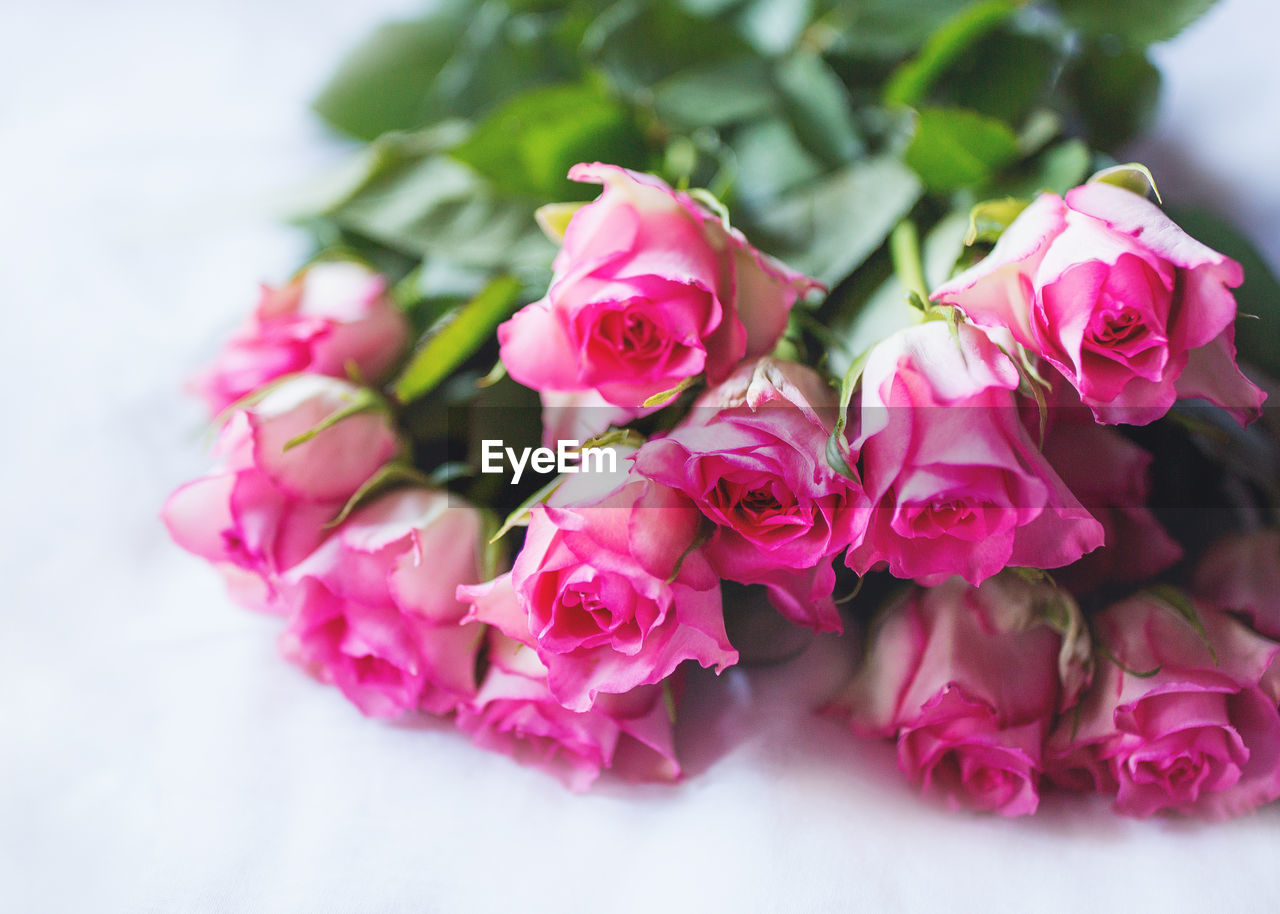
<point x="910" y="82"/>
<point x="829" y="227"/>
<point x="1115" y="90"/>
<point x="1137" y="22"/>
<point x="954" y="148"/>
<point x="770" y="159"/>
<point x="724" y="92"/>
<point x="1058" y="169"/>
<point x="527" y="145"/>
<point x="818" y="108"/>
<point x="383" y="83"/>
<point x="641" y="42"/>
<point x="460" y="336"/>
<point x="890" y="29"/>
<point x="1005" y="75"/>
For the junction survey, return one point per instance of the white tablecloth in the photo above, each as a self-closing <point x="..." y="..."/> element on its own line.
<point x="154" y="753"/>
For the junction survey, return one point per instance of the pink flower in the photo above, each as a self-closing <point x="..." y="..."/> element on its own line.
<point x="968" y="681"/>
<point x="957" y="484"/>
<point x="331" y="316"/>
<point x="373" y="610"/>
<point x="649" y="289"/>
<point x="751" y="456"/>
<point x="1108" y="473"/>
<point x="579" y="416"/>
<point x="1176" y="718"/>
<point x="613" y="591"/>
<point x="516" y="714"/>
<point x="264" y="508"/>
<point x="1133" y="311"/>
<point x="1241" y="574"/>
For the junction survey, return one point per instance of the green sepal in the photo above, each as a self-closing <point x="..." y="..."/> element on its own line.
<point x="989" y="219"/>
<point x="1131" y="176"/>
<point x="388" y="477"/>
<point x="364" y="400"/>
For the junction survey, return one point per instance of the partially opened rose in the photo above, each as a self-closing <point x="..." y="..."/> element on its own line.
<point x="968" y="681"/>
<point x="374" y="609"/>
<point x="334" y="316"/>
<point x="751" y="456"/>
<point x="1181" y="715"/>
<point x="265" y="506"/>
<point x="650" y="289"/>
<point x="1241" y="574"/>
<point x="956" y="483"/>
<point x="1134" y="312"/>
<point x="515" y="713"/>
<point x="613" y="589"/>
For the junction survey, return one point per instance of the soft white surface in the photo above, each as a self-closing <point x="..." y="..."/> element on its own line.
<point x="155" y="755"/>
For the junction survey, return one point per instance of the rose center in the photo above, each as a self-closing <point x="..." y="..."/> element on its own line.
<point x="631" y="333"/>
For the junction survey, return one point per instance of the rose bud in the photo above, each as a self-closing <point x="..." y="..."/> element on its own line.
<point x="374" y="610"/>
<point x="613" y="589"/>
<point x="968" y="681"/>
<point x="1181" y="714"/>
<point x="265" y="506"/>
<point x="1241" y="574"/>
<point x="331" y="316"/>
<point x="1133" y="311"/>
<point x="1108" y="473"/>
<point x="516" y="714"/>
<point x="751" y="456"/>
<point x="957" y="485"/>
<point x="650" y="289"/>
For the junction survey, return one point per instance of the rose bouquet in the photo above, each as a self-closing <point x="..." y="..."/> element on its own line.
<point x="850" y="314"/>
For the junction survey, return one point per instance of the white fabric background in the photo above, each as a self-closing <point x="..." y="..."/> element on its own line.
<point x="155" y="755"/>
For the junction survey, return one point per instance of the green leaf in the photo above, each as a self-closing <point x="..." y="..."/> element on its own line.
<point x="954" y="148"/>
<point x="1115" y="90"/>
<point x="639" y="43"/>
<point x="889" y="29"/>
<point x="770" y="160"/>
<point x="527" y="145"/>
<point x="1005" y="75"/>
<point x="459" y="337"/>
<point x="830" y="226"/>
<point x="1131" y="176"/>
<point x="520" y="516"/>
<point x="719" y="93"/>
<point x="818" y="108"/>
<point x="383" y="82"/>
<point x="411" y="74"/>
<point x="1258" y="341"/>
<point x="1058" y="169"/>
<point x="911" y="81"/>
<point x="402" y="192"/>
<point x="989" y="219"/>
<point x="1136" y="22"/>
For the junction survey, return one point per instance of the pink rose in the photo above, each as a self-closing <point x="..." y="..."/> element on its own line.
<point x="332" y="315"/>
<point x="579" y="416"/>
<point x="751" y="456"/>
<point x="957" y="484"/>
<point x="373" y="610"/>
<point x="1176" y="718"/>
<point x="968" y="680"/>
<point x="613" y="590"/>
<point x="1241" y="574"/>
<point x="649" y="289"/>
<point x="264" y="508"/>
<point x="1108" y="473"/>
<point x="1133" y="311"/>
<point x="515" y="712"/>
